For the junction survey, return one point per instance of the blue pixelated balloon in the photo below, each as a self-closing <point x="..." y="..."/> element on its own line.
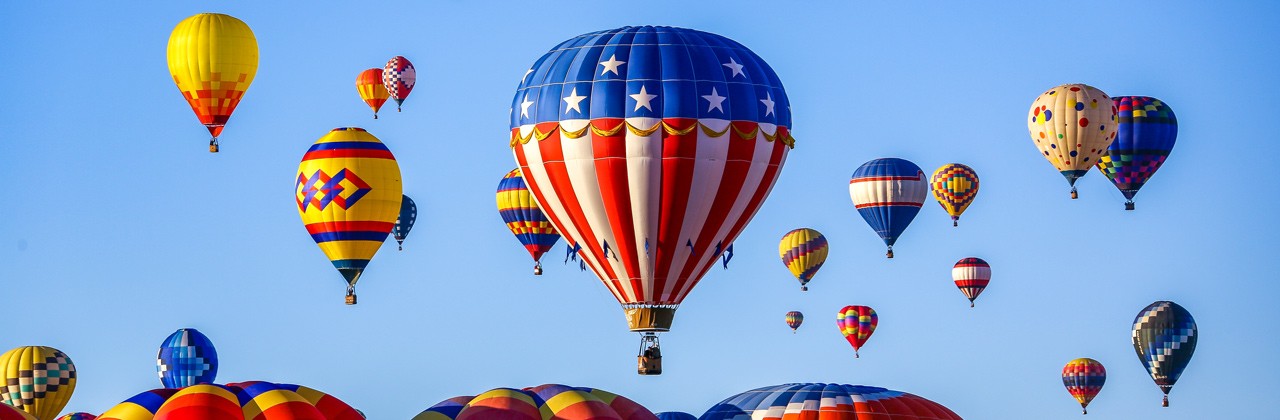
<point x="186" y="358"/>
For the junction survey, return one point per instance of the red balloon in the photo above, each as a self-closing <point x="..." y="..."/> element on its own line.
<point x="201" y="402"/>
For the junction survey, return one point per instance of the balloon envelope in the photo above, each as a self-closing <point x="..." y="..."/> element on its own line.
<point x="348" y="194"/>
<point x="972" y="275"/>
<point x="38" y="380"/>
<point x="803" y="251"/>
<point x="268" y="401"/>
<point x="369" y="86"/>
<point x="1072" y="125"/>
<point x="501" y="404"/>
<point x="523" y="217"/>
<point x="445" y="410"/>
<point x="955" y="186"/>
<point x="675" y="415"/>
<point x="857" y="323"/>
<point x="404" y="222"/>
<point x="187" y="357"/>
<point x="1164" y="337"/>
<point x="650" y="148"/>
<point x="201" y="402"/>
<point x="827" y="401"/>
<point x="399" y="76"/>
<point x="1083" y="378"/>
<point x="794" y="319"/>
<point x="8" y="412"/>
<point x="213" y="58"/>
<point x="888" y="192"/>
<point x="1145" y="135"/>
<point x="139" y="407"/>
<point x="330" y="406"/>
<point x="77" y="416"/>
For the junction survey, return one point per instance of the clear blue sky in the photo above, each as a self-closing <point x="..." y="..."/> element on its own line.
<point x="118" y="226"/>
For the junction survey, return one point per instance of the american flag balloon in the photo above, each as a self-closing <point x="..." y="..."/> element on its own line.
<point x="650" y="149"/>
<point x="399" y="76"/>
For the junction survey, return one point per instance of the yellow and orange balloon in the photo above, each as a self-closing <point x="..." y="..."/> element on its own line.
<point x="38" y="380"/>
<point x="213" y="58"/>
<point x="348" y="194"/>
<point x="372" y="91"/>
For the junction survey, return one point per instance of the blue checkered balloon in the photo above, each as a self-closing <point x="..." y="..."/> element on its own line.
<point x="1164" y="336"/>
<point x="186" y="358"/>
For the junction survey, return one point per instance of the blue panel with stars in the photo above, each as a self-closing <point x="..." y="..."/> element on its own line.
<point x="650" y="71"/>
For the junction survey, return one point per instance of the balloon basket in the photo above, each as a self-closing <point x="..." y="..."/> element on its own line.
<point x="213" y="145"/>
<point x="1074" y="194"/>
<point x="351" y="299"/>
<point x="537" y="269"/>
<point x="1128" y="205"/>
<point x="804" y="288"/>
<point x="375" y="116"/>
<point x="889" y="254"/>
<point x="1166" y="401"/>
<point x="649" y="361"/>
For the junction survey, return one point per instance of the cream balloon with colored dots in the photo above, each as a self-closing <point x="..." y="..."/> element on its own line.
<point x="1072" y="125"/>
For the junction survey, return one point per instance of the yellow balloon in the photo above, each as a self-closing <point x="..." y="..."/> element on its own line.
<point x="348" y="194"/>
<point x="38" y="380"/>
<point x="1072" y="125"/>
<point x="803" y="251"/>
<point x="213" y="58"/>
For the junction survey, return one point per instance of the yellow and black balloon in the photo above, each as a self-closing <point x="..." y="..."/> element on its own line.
<point x="38" y="380"/>
<point x="348" y="194"/>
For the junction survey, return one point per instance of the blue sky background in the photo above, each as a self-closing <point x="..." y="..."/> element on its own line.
<point x="118" y="226"/>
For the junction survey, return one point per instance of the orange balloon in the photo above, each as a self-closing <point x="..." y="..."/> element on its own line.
<point x="201" y="402"/>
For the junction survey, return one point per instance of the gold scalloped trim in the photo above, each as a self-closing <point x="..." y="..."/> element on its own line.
<point x="574" y="134"/>
<point x="516" y="138"/>
<point x="543" y="136"/>
<point x="607" y="133"/>
<point x="745" y="135"/>
<point x="712" y="133"/>
<point x="644" y="132"/>
<point x="673" y="131"/>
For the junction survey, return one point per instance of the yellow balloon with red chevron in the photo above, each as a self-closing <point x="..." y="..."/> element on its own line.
<point x="348" y="194"/>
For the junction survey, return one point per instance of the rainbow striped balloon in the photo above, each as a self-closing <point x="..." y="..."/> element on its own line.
<point x="794" y="319"/>
<point x="348" y="194"/>
<point x="1083" y="378"/>
<point x="77" y="416"/>
<point x="857" y="323"/>
<point x="501" y="403"/>
<point x="954" y="186"/>
<point x="803" y="251"/>
<point x="971" y="275"/>
<point x="523" y="217"/>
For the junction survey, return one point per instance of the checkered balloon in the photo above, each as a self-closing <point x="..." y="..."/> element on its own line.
<point x="186" y="358"/>
<point x="399" y="77"/>
<point x="1164" y="336"/>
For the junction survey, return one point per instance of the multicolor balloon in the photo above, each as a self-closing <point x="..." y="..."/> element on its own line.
<point x="1145" y="135"/>
<point x="857" y="323"/>
<point x="794" y="319"/>
<point x="348" y="194"/>
<point x="399" y="76"/>
<point x="1164" y="336"/>
<point x="445" y="410"/>
<point x="827" y="401"/>
<point x="139" y="407"/>
<point x="213" y="58"/>
<point x="186" y="358"/>
<point x="404" y="222"/>
<point x="268" y="401"/>
<point x="38" y="380"/>
<point x="971" y="275"/>
<point x="888" y="192"/>
<point x="332" y="407"/>
<point x="76" y="416"/>
<point x="803" y="251"/>
<point x="369" y="86"/>
<point x="523" y="217"/>
<point x="1072" y="125"/>
<point x="954" y="186"/>
<point x="7" y="412"/>
<point x="650" y="149"/>
<point x="501" y="403"/>
<point x="675" y="415"/>
<point x="201" y="402"/>
<point x="1084" y="378"/>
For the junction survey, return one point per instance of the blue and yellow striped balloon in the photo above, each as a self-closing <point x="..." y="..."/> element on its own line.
<point x="348" y="194"/>
<point x="523" y="217"/>
<point x="803" y="251"/>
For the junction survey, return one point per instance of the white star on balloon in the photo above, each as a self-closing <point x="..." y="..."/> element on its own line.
<point x="714" y="100"/>
<point x="524" y="106"/>
<point x="768" y="104"/>
<point x="643" y="99"/>
<point x="733" y="65"/>
<point x="611" y="65"/>
<point x="573" y="101"/>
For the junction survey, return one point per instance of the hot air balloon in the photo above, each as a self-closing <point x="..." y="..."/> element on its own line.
<point x="201" y="402"/>
<point x="803" y="252"/>
<point x="888" y="192"/>
<point x="1083" y="378"/>
<point x="348" y="194"/>
<point x="1164" y="336"/>
<point x="445" y="410"/>
<point x="675" y="415"/>
<point x="794" y="319"/>
<point x="857" y="323"/>
<point x="399" y="77"/>
<point x="268" y="401"/>
<point x="213" y="58"/>
<point x="1072" y="125"/>
<point x="562" y="402"/>
<point x="186" y="358"/>
<point x="38" y="380"/>
<point x="7" y="412"/>
<point x="827" y="401"/>
<point x="77" y="416"/>
<point x="139" y="407"/>
<point x="404" y="223"/>
<point x="650" y="148"/>
<point x="1145" y="135"/>
<point x="369" y="86"/>
<point x="332" y="407"/>
<point x="954" y="186"/>
<point x="523" y="217"/>
<point x="501" y="403"/>
<point x="971" y="275"/>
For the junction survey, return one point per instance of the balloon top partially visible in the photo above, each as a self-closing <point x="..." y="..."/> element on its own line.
<point x="650" y="71"/>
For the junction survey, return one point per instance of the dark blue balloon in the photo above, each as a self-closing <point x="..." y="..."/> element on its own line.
<point x="404" y="223"/>
<point x="676" y="415"/>
<point x="186" y="358"/>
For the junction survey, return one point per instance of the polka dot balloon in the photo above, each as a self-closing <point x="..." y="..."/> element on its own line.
<point x="1072" y="125"/>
